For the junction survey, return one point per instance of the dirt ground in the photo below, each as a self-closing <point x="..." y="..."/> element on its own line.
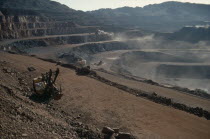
<point x="86" y="107"/>
<point x="176" y="96"/>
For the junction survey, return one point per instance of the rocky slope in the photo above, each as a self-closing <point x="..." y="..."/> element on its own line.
<point x="21" y="19"/>
<point x="23" y="26"/>
<point x="192" y="34"/>
<point x="141" y="107"/>
<point x="110" y="106"/>
<point x="25" y="116"/>
<point x="48" y="8"/>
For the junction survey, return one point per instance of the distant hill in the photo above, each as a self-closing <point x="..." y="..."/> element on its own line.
<point x="164" y="17"/>
<point x="43" y="5"/>
<point x="168" y="16"/>
<point x="47" y="8"/>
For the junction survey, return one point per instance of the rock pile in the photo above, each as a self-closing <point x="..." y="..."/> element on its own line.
<point x="31" y="69"/>
<point x="83" y="70"/>
<point x="115" y="133"/>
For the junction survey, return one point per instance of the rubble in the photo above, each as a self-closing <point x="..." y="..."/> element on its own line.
<point x="3" y="61"/>
<point x="116" y="130"/>
<point x="108" y="130"/>
<point x="99" y="63"/>
<point x="17" y="108"/>
<point x="83" y="70"/>
<point x="7" y="70"/>
<point x="114" y="133"/>
<point x="31" y="69"/>
<point x="59" y="63"/>
<point x="24" y="135"/>
<point x="122" y="135"/>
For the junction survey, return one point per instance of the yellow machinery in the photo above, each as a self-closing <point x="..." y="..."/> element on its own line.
<point x="45" y="85"/>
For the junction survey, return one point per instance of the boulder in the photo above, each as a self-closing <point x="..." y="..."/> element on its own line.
<point x="31" y="69"/>
<point x="109" y="136"/>
<point x="108" y="131"/>
<point x="24" y="135"/>
<point x="116" y="130"/>
<point x="122" y="135"/>
<point x="83" y="71"/>
<point x="7" y="70"/>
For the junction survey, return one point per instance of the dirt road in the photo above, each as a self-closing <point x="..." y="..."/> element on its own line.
<point x="176" y="96"/>
<point x="5" y="42"/>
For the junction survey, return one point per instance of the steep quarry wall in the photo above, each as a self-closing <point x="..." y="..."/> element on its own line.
<point x="14" y="27"/>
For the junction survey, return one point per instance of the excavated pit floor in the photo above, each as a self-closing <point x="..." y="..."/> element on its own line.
<point x="171" y="67"/>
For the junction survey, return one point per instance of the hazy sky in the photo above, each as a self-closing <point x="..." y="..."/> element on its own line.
<point x="86" y="5"/>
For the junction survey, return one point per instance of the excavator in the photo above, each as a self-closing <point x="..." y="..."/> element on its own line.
<point x="45" y="86"/>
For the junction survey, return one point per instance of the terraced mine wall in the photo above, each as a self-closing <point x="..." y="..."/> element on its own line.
<point x="189" y="71"/>
<point x="86" y="51"/>
<point x="23" y="26"/>
<point x="161" y="65"/>
<point x="22" y="45"/>
<point x="101" y="47"/>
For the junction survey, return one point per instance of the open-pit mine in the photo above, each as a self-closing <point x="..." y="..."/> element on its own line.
<point x="146" y="84"/>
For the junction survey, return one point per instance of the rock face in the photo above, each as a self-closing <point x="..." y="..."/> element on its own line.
<point x="28" y="18"/>
<point x="192" y="34"/>
<point x="22" y="26"/>
<point x="2" y="18"/>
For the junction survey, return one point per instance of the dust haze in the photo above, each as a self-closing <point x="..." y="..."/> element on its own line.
<point x="171" y="62"/>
